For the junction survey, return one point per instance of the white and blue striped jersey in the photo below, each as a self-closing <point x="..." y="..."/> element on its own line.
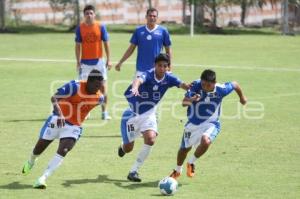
<point x="151" y="91"/>
<point x="208" y="108"/>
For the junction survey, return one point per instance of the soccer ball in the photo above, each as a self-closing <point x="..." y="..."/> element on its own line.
<point x="168" y="186"/>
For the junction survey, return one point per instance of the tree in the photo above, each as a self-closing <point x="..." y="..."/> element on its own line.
<point x="213" y="6"/>
<point x="56" y="6"/>
<point x="2" y="14"/>
<point x="138" y="4"/>
<point x="149" y="4"/>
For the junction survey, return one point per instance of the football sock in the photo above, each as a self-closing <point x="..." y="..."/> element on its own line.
<point x="32" y="158"/>
<point x="179" y="169"/>
<point x="143" y="154"/>
<point x="52" y="166"/>
<point x="192" y="159"/>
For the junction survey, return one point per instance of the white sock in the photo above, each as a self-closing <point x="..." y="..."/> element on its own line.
<point x="192" y="159"/>
<point x="52" y="166"/>
<point x="32" y="158"/>
<point x="143" y="154"/>
<point x="179" y="169"/>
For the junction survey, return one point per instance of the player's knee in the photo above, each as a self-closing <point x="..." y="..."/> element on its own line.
<point x="205" y="141"/>
<point x="63" y="152"/>
<point x="150" y="141"/>
<point x="127" y="148"/>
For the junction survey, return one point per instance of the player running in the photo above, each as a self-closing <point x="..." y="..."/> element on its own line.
<point x="140" y="119"/>
<point x="204" y="103"/>
<point x="71" y="104"/>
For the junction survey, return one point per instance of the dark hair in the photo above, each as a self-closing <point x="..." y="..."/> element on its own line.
<point x="162" y="57"/>
<point x="88" y="7"/>
<point x="208" y="75"/>
<point x="151" y="10"/>
<point x="95" y="75"/>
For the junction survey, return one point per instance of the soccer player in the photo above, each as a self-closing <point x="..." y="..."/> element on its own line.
<point x="150" y="39"/>
<point x="140" y="119"/>
<point x="71" y="104"/>
<point x="90" y="36"/>
<point x="204" y="103"/>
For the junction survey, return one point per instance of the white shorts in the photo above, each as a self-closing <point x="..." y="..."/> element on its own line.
<point x="193" y="133"/>
<point x="132" y="125"/>
<point x="50" y="131"/>
<point x="85" y="70"/>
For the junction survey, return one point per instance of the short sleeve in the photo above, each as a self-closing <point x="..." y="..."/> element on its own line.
<point x="134" y="38"/>
<point x="104" y="33"/>
<point x="174" y="81"/>
<point x="78" y="38"/>
<point x="67" y="90"/>
<point x="226" y="88"/>
<point x="144" y="77"/>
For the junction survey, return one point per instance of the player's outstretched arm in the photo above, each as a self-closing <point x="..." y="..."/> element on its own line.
<point x="127" y="54"/>
<point x="238" y="90"/>
<point x="135" y="86"/>
<point x="57" y="110"/>
<point x="185" y="86"/>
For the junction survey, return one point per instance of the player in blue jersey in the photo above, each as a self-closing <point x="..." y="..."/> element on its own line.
<point x="140" y="119"/>
<point x="204" y="103"/>
<point x="150" y="40"/>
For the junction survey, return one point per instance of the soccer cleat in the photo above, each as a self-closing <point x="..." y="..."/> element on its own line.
<point x="121" y="153"/>
<point x="26" y="168"/>
<point x="105" y="116"/>
<point x="40" y="184"/>
<point x="175" y="174"/>
<point x="134" y="177"/>
<point x="190" y="170"/>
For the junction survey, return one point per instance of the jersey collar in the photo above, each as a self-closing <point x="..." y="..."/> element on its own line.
<point x="158" y="81"/>
<point x="156" y="26"/>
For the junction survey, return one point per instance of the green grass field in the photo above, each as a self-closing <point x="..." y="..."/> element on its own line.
<point x="256" y="155"/>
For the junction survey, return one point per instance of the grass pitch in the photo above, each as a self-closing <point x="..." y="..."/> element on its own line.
<point x="256" y="155"/>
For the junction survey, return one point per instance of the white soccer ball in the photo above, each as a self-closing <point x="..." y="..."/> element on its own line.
<point x="168" y="186"/>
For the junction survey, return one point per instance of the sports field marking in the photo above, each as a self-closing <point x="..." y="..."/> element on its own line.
<point x="272" y="69"/>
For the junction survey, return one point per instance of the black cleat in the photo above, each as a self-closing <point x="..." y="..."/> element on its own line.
<point x="121" y="153"/>
<point x="134" y="177"/>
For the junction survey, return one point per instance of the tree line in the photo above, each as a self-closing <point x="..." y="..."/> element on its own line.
<point x="200" y="5"/>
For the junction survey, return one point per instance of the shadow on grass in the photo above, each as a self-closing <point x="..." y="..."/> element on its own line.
<point x="124" y="184"/>
<point x="100" y="136"/>
<point x="16" y="185"/>
<point x="26" y="120"/>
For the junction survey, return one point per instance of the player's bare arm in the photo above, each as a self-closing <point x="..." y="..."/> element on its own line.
<point x="169" y="53"/>
<point x="127" y="54"/>
<point x="57" y="110"/>
<point x="77" y="54"/>
<point x="135" y="86"/>
<point x="107" y="52"/>
<point x="185" y="86"/>
<point x="238" y="90"/>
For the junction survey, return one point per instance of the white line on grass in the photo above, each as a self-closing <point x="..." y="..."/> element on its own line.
<point x="278" y="69"/>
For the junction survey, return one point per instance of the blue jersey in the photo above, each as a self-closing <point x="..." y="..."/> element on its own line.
<point x="208" y="108"/>
<point x="150" y="44"/>
<point x="151" y="91"/>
